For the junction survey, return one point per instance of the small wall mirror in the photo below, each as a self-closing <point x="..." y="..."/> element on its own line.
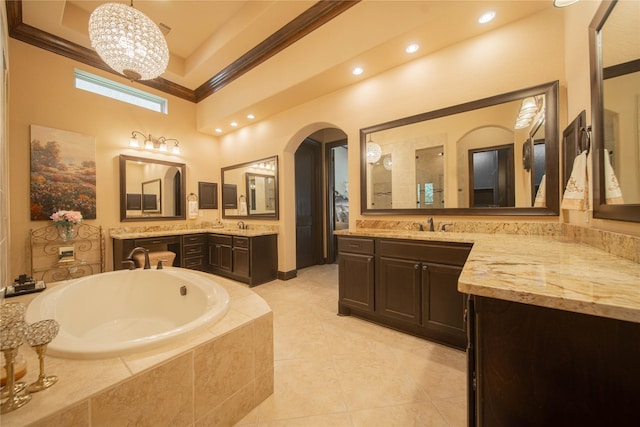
<point x="465" y="159"/>
<point x="615" y="106"/>
<point x="151" y="189"/>
<point x="251" y="189"/>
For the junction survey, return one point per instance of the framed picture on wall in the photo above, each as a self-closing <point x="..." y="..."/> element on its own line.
<point x="63" y="172"/>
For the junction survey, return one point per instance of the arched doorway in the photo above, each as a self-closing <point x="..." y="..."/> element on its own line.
<point x="314" y="191"/>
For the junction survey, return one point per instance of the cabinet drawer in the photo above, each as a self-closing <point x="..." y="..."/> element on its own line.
<point x="193" y="238"/>
<point x="193" y="262"/>
<point x="435" y="252"/>
<point x="191" y="250"/>
<point x="240" y="242"/>
<point x="158" y="241"/>
<point x="357" y="246"/>
<point x="220" y="239"/>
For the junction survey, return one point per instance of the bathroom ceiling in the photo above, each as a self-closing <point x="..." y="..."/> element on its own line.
<point x="221" y="47"/>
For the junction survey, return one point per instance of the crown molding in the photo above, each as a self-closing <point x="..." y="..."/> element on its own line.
<point x="311" y="19"/>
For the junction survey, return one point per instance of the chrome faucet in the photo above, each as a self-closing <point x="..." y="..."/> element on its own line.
<point x="241" y="225"/>
<point x="147" y="264"/>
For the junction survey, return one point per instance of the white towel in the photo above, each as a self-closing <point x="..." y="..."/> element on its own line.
<point x="193" y="209"/>
<point x="540" y="201"/>
<point x="612" y="192"/>
<point x="576" y="194"/>
<point x="243" y="208"/>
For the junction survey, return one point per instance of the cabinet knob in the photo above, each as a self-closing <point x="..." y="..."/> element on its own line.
<point x="416" y="266"/>
<point x="425" y="268"/>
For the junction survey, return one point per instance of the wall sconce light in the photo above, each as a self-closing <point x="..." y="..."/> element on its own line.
<point x="159" y="144"/>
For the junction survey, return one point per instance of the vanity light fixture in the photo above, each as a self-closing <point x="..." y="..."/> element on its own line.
<point x="487" y="17"/>
<point x="150" y="144"/>
<point x="373" y="151"/>
<point x="564" y="3"/>
<point x="528" y="109"/>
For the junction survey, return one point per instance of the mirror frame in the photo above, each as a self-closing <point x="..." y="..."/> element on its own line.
<point x="274" y="215"/>
<point x="552" y="161"/>
<point x="623" y="212"/>
<point x="123" y="188"/>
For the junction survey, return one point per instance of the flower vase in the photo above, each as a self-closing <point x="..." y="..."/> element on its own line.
<point x="67" y="231"/>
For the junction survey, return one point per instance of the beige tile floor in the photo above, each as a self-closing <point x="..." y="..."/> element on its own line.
<point x="343" y="371"/>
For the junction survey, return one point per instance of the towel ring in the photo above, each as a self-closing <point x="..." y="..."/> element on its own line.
<point x="192" y="197"/>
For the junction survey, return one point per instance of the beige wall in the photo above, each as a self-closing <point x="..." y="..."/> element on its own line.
<point x="520" y="55"/>
<point x="42" y="92"/>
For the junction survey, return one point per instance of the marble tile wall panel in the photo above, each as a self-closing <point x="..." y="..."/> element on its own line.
<point x="490" y="227"/>
<point x="622" y="245"/>
<point x="160" y="396"/>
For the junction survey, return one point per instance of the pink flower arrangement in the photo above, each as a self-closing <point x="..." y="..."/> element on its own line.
<point x="66" y="217"/>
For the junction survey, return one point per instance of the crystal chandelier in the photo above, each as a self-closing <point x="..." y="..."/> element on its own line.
<point x="128" y="41"/>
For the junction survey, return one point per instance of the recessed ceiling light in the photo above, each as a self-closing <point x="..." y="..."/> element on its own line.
<point x="218" y="130"/>
<point x="357" y="71"/>
<point x="487" y="17"/>
<point x="250" y="116"/>
<point x="412" y="48"/>
<point x="234" y="124"/>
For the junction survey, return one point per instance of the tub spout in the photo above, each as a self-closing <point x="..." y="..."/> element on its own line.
<point x="147" y="264"/>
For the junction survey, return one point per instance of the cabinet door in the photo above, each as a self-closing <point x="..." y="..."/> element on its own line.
<point x="356" y="281"/>
<point x="219" y="257"/>
<point x="241" y="261"/>
<point x="399" y="289"/>
<point x="442" y="305"/>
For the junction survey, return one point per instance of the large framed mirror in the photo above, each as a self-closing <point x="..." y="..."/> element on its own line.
<point x="250" y="190"/>
<point x="467" y="159"/>
<point x="151" y="189"/>
<point x="614" y="36"/>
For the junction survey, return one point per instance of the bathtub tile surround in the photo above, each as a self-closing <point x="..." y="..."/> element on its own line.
<point x="164" y="386"/>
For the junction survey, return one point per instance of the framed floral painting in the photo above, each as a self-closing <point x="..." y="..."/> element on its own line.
<point x="63" y="173"/>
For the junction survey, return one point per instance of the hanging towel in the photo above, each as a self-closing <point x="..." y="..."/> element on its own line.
<point x="576" y="194"/>
<point x="540" y="201"/>
<point x="193" y="209"/>
<point x="243" y="208"/>
<point x="612" y="192"/>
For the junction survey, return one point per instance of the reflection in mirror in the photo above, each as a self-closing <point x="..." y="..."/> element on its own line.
<point x="456" y="160"/>
<point x="492" y="177"/>
<point x="615" y="105"/>
<point x="151" y="189"/>
<point x="261" y="190"/>
<point x="430" y="177"/>
<point x="538" y="163"/>
<point x="151" y="196"/>
<point x="251" y="189"/>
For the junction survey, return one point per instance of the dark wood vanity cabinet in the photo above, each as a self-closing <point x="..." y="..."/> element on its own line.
<point x="194" y="249"/>
<point x="408" y="285"/>
<point x="249" y="259"/>
<point x="220" y="259"/>
<point x="252" y="259"/>
<point x="356" y="274"/>
<point x="538" y="366"/>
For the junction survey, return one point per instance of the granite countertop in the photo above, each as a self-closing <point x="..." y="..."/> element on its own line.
<point x="553" y="272"/>
<point x="180" y="232"/>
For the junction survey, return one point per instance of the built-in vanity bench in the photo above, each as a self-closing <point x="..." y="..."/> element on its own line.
<point x="249" y="256"/>
<point x="553" y="326"/>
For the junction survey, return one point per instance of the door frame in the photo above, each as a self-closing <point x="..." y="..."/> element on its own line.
<point x="331" y="249"/>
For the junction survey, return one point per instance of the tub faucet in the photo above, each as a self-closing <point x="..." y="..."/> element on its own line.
<point x="147" y="264"/>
